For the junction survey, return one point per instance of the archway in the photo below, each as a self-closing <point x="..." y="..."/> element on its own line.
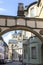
<point x="23" y="28"/>
<point x="8" y="23"/>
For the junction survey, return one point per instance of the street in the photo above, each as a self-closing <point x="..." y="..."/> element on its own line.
<point x="13" y="63"/>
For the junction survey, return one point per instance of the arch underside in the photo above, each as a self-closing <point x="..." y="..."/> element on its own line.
<point x="22" y="28"/>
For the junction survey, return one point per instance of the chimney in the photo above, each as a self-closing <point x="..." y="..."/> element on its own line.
<point x="20" y="11"/>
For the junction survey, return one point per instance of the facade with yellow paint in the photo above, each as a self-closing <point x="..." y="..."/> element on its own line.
<point x="35" y="9"/>
<point x="32" y="46"/>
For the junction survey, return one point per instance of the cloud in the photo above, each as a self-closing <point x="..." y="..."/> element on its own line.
<point x="2" y="9"/>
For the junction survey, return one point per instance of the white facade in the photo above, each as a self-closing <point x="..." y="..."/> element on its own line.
<point x="32" y="11"/>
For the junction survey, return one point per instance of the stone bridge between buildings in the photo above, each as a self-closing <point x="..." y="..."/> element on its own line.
<point x="9" y="23"/>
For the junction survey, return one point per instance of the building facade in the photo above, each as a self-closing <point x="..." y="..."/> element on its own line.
<point x="3" y="49"/>
<point x="6" y="50"/>
<point x="16" y="42"/>
<point x="32" y="50"/>
<point x="34" y="10"/>
<point x="34" y="53"/>
<point x="15" y="47"/>
<point x="12" y="53"/>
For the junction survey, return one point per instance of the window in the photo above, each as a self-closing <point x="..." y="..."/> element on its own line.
<point x="32" y="12"/>
<point x="33" y="52"/>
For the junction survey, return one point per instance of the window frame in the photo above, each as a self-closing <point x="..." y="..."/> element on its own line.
<point x="33" y="55"/>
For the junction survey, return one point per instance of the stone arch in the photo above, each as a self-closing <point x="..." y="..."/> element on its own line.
<point x="23" y="28"/>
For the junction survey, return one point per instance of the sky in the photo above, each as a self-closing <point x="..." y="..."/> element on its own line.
<point x="8" y="36"/>
<point x="9" y="7"/>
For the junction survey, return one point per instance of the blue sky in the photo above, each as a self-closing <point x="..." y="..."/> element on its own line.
<point x="9" y="7"/>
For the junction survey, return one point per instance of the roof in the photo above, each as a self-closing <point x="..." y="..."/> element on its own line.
<point x="31" y="5"/>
